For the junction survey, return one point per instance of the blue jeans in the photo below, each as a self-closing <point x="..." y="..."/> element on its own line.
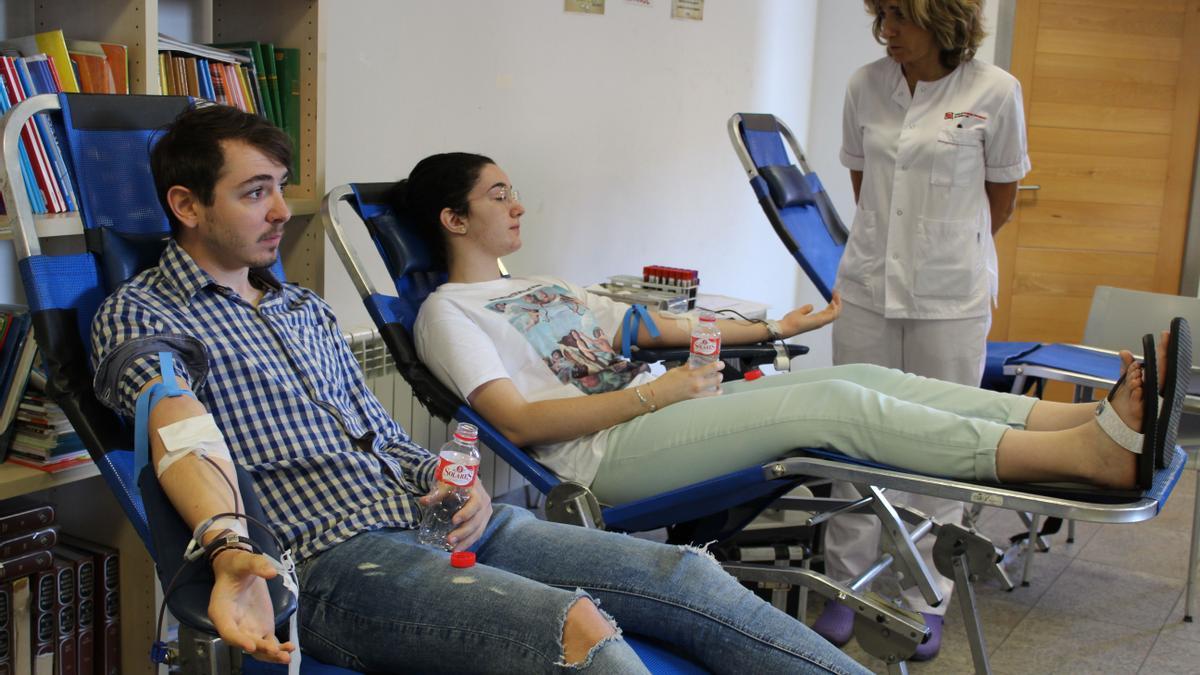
<point x="380" y="602"/>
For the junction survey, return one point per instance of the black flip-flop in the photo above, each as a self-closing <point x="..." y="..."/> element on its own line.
<point x="1150" y="448"/>
<point x="1178" y="377"/>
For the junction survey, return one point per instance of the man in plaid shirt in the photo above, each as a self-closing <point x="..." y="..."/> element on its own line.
<point x="342" y="483"/>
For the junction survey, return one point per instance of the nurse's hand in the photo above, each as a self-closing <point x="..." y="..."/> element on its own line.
<point x="803" y="319"/>
<point x="685" y="382"/>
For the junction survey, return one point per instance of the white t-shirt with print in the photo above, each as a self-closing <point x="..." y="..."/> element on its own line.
<point x="550" y="337"/>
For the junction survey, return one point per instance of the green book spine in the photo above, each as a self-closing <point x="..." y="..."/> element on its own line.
<point x="268" y="55"/>
<point x="287" y="65"/>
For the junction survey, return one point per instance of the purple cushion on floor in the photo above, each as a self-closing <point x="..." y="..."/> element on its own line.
<point x="836" y="623"/>
<point x="929" y="649"/>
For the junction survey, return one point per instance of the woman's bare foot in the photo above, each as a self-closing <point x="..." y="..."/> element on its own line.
<point x="1114" y="466"/>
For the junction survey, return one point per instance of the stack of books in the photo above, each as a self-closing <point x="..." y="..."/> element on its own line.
<point x="256" y="77"/>
<point x="44" y="439"/>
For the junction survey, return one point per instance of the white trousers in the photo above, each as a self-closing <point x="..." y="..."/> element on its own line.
<point x="953" y="350"/>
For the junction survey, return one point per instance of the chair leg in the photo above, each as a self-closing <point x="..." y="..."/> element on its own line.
<point x="205" y="654"/>
<point x="967" y="556"/>
<point x="898" y="541"/>
<point x="970" y="610"/>
<point x="1189" y="591"/>
<point x="1031" y="548"/>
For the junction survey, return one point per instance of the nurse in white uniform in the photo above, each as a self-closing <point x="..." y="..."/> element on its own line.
<point x="935" y="144"/>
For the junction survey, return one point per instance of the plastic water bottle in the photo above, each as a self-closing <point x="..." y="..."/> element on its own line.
<point x="456" y="471"/>
<point x="706" y="341"/>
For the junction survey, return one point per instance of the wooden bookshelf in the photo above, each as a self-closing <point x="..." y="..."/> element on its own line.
<point x="85" y="505"/>
<point x="20" y="480"/>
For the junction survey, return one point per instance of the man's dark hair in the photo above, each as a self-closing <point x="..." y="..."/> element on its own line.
<point x="189" y="153"/>
<point x="435" y="183"/>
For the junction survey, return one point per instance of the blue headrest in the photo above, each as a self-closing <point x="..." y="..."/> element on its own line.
<point x="404" y="251"/>
<point x="109" y="140"/>
<point x="787" y="185"/>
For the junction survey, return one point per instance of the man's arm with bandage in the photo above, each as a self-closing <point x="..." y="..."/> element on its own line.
<point x="196" y="472"/>
<point x="127" y="338"/>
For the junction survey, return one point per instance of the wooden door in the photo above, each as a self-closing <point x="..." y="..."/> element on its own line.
<point x="1112" y="103"/>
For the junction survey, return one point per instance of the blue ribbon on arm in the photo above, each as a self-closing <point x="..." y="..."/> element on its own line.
<point x="145" y="403"/>
<point x="630" y="324"/>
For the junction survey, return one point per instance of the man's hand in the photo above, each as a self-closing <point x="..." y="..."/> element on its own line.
<point x="470" y="521"/>
<point x="240" y="606"/>
<point x="803" y="319"/>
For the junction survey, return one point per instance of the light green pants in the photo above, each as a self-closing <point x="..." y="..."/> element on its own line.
<point x="865" y="411"/>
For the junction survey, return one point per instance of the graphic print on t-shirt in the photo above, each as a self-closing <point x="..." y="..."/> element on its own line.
<point x="563" y="331"/>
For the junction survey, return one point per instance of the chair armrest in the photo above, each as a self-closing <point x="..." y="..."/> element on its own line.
<point x="763" y="352"/>
<point x="189" y="600"/>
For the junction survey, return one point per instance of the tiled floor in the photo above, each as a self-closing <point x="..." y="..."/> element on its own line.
<point x="1112" y="602"/>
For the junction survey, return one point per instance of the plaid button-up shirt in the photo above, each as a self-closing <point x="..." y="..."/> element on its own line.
<point x="327" y="459"/>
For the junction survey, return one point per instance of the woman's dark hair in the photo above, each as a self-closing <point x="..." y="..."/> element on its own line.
<point x="435" y="183"/>
<point x="189" y="151"/>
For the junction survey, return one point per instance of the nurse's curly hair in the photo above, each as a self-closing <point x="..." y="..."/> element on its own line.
<point x="956" y="25"/>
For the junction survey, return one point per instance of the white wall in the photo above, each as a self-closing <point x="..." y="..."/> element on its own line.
<point x="612" y="127"/>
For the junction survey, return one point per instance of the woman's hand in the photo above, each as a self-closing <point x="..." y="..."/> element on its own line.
<point x="240" y="606"/>
<point x="803" y="319"/>
<point x="685" y="382"/>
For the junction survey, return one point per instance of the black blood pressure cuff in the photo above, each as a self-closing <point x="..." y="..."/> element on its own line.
<point x="124" y="372"/>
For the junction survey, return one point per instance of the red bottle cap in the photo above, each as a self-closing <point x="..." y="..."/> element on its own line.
<point x="752" y="375"/>
<point x="462" y="559"/>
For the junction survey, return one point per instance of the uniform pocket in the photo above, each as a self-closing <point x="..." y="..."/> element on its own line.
<point x="948" y="259"/>
<point x="863" y="249"/>
<point x="957" y="158"/>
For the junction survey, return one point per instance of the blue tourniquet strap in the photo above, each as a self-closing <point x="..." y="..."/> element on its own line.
<point x="630" y="324"/>
<point x="145" y="403"/>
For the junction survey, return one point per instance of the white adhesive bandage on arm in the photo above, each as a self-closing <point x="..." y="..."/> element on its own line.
<point x="680" y="318"/>
<point x="198" y="434"/>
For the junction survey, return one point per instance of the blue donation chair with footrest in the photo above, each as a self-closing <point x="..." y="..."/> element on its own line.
<point x="884" y="631"/>
<point x="106" y="142"/>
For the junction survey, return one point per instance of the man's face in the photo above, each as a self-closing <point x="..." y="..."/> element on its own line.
<point x="244" y="224"/>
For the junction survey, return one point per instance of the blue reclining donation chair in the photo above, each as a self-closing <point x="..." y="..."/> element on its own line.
<point x="106" y="142"/>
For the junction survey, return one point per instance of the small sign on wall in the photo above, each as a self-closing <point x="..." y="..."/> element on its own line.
<point x="687" y="9"/>
<point x="584" y="6"/>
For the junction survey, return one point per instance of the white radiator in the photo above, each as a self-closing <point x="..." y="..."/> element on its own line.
<point x="395" y="394"/>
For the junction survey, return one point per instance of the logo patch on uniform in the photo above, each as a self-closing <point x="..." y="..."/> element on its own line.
<point x="954" y="115"/>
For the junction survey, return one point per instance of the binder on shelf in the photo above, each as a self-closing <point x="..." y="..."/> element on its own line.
<point x="25" y="564"/>
<point x="37" y="540"/>
<point x="43" y="620"/>
<point x="19" y="515"/>
<point x="118" y="60"/>
<point x="66" y="658"/>
<point x="6" y="628"/>
<point x="95" y="64"/>
<point x="106" y="605"/>
<point x="83" y="566"/>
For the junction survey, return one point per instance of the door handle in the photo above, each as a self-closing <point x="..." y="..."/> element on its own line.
<point x="1023" y="188"/>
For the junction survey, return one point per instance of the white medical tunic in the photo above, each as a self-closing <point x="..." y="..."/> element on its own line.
<point x="921" y="245"/>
